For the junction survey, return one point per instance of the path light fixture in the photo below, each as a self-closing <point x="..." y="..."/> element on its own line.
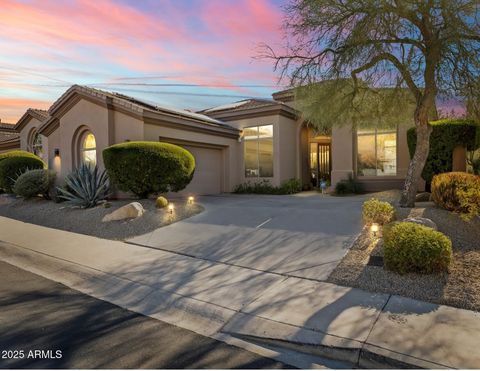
<point x="170" y="208"/>
<point x="374" y="228"/>
<point x="190" y="200"/>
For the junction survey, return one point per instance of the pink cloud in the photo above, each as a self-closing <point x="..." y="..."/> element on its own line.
<point x="12" y="108"/>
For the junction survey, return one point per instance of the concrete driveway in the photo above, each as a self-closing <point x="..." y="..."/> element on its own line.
<point x="303" y="235"/>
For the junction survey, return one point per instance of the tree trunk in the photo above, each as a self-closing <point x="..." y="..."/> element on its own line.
<point x="417" y="163"/>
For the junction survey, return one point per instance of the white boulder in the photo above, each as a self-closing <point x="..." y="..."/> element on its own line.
<point x="129" y="211"/>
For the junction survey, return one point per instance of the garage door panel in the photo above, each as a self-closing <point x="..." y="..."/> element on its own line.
<point x="208" y="177"/>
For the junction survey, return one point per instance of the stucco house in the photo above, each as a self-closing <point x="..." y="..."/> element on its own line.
<point x="249" y="140"/>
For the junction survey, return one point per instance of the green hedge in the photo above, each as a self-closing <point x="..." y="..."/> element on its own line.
<point x="264" y="186"/>
<point x="13" y="164"/>
<point x="446" y="135"/>
<point x="410" y="247"/>
<point x="145" y="168"/>
<point x="458" y="192"/>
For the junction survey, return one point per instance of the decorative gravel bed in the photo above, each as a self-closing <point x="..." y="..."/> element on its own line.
<point x="89" y="221"/>
<point x="459" y="288"/>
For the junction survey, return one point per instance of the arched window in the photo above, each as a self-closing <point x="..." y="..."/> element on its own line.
<point x="35" y="143"/>
<point x="88" y="149"/>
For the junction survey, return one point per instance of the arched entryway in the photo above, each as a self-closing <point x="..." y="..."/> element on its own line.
<point x="316" y="155"/>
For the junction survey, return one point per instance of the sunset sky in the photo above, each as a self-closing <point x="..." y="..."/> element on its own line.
<point x="48" y="45"/>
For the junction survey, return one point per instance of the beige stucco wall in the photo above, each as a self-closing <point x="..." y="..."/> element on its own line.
<point x="83" y="114"/>
<point x="342" y="153"/>
<point x="127" y="127"/>
<point x="94" y="117"/>
<point x="26" y="132"/>
<point x="285" y="144"/>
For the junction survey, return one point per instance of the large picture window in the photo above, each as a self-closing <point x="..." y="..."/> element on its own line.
<point x="259" y="151"/>
<point x="88" y="150"/>
<point x="377" y="152"/>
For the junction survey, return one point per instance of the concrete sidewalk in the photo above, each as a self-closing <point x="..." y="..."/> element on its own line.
<point x="225" y="301"/>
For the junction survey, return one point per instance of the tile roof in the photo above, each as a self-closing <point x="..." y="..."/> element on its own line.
<point x="241" y="105"/>
<point x="135" y="105"/>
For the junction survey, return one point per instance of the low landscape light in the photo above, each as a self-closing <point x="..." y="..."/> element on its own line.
<point x="170" y="208"/>
<point x="190" y="200"/>
<point x="374" y="228"/>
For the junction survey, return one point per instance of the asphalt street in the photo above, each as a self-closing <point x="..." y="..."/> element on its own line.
<point x="44" y="324"/>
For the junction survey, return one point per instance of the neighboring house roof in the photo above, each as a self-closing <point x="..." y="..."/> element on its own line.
<point x="132" y="106"/>
<point x="9" y="138"/>
<point x="7" y="132"/>
<point x="39" y="114"/>
<point x="286" y="95"/>
<point x="4" y="127"/>
<point x="250" y="108"/>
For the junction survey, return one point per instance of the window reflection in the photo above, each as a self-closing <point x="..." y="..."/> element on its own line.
<point x="377" y="152"/>
<point x="258" y="151"/>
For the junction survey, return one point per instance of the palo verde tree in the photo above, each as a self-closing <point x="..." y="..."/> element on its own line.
<point x="428" y="48"/>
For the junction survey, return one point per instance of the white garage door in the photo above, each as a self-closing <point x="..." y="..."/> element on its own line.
<point x="208" y="175"/>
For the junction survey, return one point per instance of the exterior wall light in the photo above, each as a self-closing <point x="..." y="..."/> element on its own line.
<point x="190" y="200"/>
<point x="374" y="228"/>
<point x="56" y="152"/>
<point x="170" y="208"/>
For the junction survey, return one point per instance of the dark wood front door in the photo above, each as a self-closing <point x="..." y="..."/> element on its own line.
<point x="320" y="162"/>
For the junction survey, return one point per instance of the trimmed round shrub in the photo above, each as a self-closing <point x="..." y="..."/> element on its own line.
<point x="410" y="247"/>
<point x="33" y="183"/>
<point x="161" y="202"/>
<point x="13" y="164"/>
<point x="145" y="168"/>
<point x="376" y="211"/>
<point x="458" y="192"/>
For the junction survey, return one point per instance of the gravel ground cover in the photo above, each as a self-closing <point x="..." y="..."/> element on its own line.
<point x="89" y="221"/>
<point x="459" y="288"/>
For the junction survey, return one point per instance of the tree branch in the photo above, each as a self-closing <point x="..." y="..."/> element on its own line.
<point x="398" y="65"/>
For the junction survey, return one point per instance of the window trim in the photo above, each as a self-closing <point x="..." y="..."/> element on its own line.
<point x="83" y="149"/>
<point x="376" y="176"/>
<point x="257" y="140"/>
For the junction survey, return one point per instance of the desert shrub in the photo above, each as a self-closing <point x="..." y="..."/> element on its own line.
<point x="446" y="135"/>
<point x="86" y="186"/>
<point x="261" y="187"/>
<point x="161" y="202"/>
<point x="376" y="211"/>
<point x="410" y="247"/>
<point x="145" y="168"/>
<point x="265" y="187"/>
<point x="458" y="192"/>
<point x="13" y="164"/>
<point x="33" y="183"/>
<point x="348" y="186"/>
<point x="291" y="186"/>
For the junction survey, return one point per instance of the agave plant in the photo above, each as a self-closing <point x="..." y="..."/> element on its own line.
<point x="85" y="186"/>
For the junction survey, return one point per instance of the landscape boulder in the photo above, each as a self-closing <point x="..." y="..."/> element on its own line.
<point x="422" y="221"/>
<point x="130" y="211"/>
<point x="423" y="197"/>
